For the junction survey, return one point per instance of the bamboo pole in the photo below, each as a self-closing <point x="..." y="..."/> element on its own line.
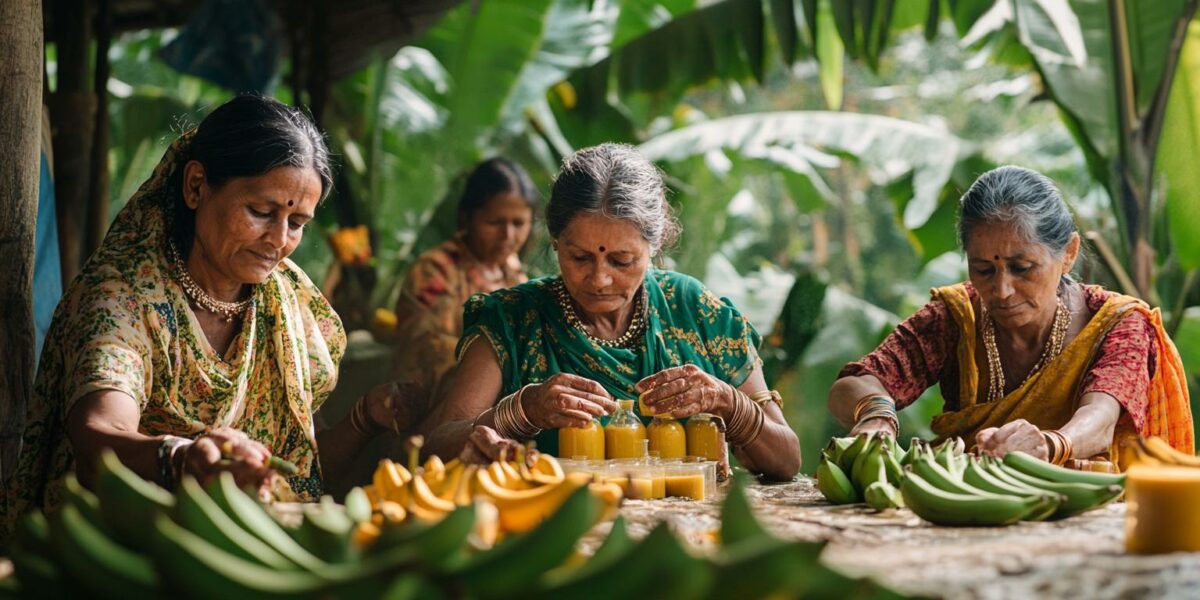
<point x="20" y="123"/>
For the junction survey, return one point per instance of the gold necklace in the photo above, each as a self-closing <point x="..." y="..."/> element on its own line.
<point x="1053" y="347"/>
<point x="229" y="310"/>
<point x="636" y="325"/>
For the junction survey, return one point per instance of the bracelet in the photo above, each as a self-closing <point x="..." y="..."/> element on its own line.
<point x="1059" y="445"/>
<point x="510" y="418"/>
<point x="361" y="422"/>
<point x="746" y="420"/>
<point x="762" y="397"/>
<point x="875" y="406"/>
<point x="169" y="469"/>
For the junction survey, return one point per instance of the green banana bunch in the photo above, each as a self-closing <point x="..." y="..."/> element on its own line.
<point x="247" y="513"/>
<point x="856" y="447"/>
<point x="979" y="476"/>
<point x="942" y="507"/>
<point x="870" y="467"/>
<point x="1080" y="497"/>
<point x="326" y="531"/>
<point x="834" y="485"/>
<point x="198" y="513"/>
<point x="837" y="447"/>
<point x="928" y="469"/>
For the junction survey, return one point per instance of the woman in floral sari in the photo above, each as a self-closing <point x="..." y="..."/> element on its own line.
<point x="1027" y="358"/>
<point x="495" y="215"/>
<point x="555" y="351"/>
<point x="189" y="344"/>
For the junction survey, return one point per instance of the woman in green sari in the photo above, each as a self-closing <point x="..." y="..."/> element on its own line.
<point x="556" y="351"/>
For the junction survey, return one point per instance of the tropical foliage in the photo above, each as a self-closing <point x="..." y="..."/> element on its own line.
<point x="815" y="148"/>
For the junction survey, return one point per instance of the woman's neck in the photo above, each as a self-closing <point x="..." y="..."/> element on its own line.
<point x="211" y="280"/>
<point x="494" y="265"/>
<point x="611" y="324"/>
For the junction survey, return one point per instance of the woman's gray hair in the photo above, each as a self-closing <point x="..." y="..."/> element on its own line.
<point x="616" y="181"/>
<point x="1025" y="199"/>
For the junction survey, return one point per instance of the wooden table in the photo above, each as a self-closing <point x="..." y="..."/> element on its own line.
<point x="1079" y="558"/>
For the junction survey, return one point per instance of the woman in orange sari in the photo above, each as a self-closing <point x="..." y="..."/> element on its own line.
<point x="1027" y="358"/>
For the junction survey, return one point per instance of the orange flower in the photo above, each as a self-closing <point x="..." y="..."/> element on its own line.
<point x="352" y="245"/>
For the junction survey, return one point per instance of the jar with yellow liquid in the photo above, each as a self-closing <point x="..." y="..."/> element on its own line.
<point x="582" y="442"/>
<point x="667" y="438"/>
<point x="703" y="437"/>
<point x="624" y="436"/>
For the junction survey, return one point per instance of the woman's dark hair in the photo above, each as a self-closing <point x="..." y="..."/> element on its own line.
<point x="246" y="137"/>
<point x="616" y="181"/>
<point x="1025" y="199"/>
<point x="490" y="178"/>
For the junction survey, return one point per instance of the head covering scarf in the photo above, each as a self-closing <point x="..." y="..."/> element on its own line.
<point x="125" y="325"/>
<point x="685" y="324"/>
<point x="1050" y="397"/>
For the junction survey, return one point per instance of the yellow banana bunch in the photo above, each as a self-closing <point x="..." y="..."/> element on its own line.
<point x="1155" y="450"/>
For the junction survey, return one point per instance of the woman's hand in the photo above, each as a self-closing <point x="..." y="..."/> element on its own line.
<point x="565" y="400"/>
<point x="685" y="391"/>
<point x="227" y="449"/>
<point x="395" y="406"/>
<point x="1018" y="435"/>
<point x="879" y="426"/>
<point x="485" y="445"/>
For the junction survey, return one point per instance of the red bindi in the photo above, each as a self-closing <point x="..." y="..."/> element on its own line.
<point x="291" y="202"/>
<point x="602" y="248"/>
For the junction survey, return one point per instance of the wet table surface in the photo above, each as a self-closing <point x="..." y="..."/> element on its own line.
<point x="1079" y="558"/>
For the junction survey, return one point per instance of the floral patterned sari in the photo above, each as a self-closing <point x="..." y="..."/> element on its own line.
<point x="125" y="324"/>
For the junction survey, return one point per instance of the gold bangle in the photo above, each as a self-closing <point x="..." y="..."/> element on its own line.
<point x="762" y="397"/>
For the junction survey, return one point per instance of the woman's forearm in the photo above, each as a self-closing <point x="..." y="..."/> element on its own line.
<point x="775" y="453"/>
<point x="1092" y="426"/>
<point x="847" y="391"/>
<point x="448" y="439"/>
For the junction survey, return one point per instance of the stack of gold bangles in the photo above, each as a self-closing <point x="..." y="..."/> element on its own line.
<point x="1059" y="446"/>
<point x="748" y="418"/>
<point x="875" y="406"/>
<point x="510" y="418"/>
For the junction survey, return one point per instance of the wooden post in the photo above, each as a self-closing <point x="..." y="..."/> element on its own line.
<point x="20" y="124"/>
<point x="72" y="115"/>
<point x="97" y="215"/>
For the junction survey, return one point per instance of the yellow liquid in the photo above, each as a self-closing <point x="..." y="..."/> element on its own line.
<point x="703" y="439"/>
<point x="624" y="442"/>
<point x="667" y="438"/>
<point x="658" y="487"/>
<point x="581" y="441"/>
<point x="685" y="486"/>
<point x="1160" y="509"/>
<point x="635" y="488"/>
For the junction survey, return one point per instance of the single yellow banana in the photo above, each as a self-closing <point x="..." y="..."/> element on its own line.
<point x="466" y="486"/>
<point x="546" y="470"/>
<point x="497" y="473"/>
<point x="388" y="481"/>
<point x="522" y="510"/>
<point x="1160" y="449"/>
<point x="435" y="471"/>
<point x="392" y="512"/>
<point x="373" y="496"/>
<point x="450" y="484"/>
<point x="425" y="498"/>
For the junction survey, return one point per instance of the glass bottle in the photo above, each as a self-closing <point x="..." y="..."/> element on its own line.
<point x="667" y="437"/>
<point x="703" y="437"/>
<point x="624" y="435"/>
<point x="582" y="442"/>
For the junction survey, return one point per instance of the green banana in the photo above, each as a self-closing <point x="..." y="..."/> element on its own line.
<point x="950" y="458"/>
<point x="83" y="499"/>
<point x="507" y="570"/>
<point x="948" y="508"/>
<point x="1041" y="469"/>
<point x="834" y="485"/>
<point x="836" y="447"/>
<point x="358" y="505"/>
<point x="658" y="562"/>
<point x="128" y="502"/>
<point x="856" y="468"/>
<point x="327" y="532"/>
<point x="977" y="475"/>
<point x="201" y="570"/>
<point x="870" y="466"/>
<point x="33" y="558"/>
<point x="247" y="513"/>
<point x="1080" y="497"/>
<point x="96" y="562"/>
<point x="846" y="460"/>
<point x="936" y="475"/>
<point x="882" y="495"/>
<point x="914" y="450"/>
<point x="895" y="472"/>
<point x="197" y="512"/>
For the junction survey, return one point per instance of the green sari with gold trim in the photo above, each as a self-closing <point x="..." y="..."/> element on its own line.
<point x="685" y="324"/>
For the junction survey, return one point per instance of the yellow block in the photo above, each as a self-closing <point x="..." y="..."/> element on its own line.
<point x="1161" y="513"/>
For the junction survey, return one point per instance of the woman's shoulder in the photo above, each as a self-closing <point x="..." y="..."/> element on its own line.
<point x="531" y="292"/>
<point x="679" y="286"/>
